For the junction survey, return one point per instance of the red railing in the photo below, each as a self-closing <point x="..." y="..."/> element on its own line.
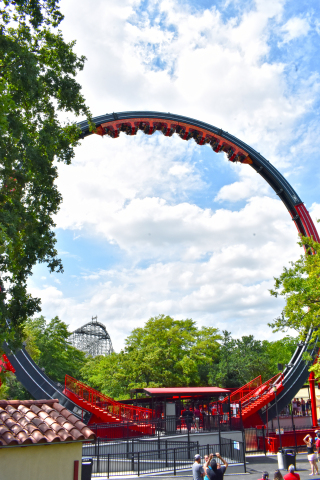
<point x="120" y="411"/>
<point x="245" y="390"/>
<point x="262" y="391"/>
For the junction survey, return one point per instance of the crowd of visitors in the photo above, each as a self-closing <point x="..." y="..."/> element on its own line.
<point x="291" y="475"/>
<point x="211" y="469"/>
<point x="201" y="416"/>
<point x="301" y="407"/>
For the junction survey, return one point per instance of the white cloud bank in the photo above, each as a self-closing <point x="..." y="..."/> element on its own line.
<point x="214" y="266"/>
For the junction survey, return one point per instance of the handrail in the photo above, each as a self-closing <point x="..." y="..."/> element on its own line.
<point x="261" y="390"/>
<point x="239" y="394"/>
<point x="110" y="406"/>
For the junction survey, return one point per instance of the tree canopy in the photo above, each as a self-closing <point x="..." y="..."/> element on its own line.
<point x="167" y="352"/>
<point x="163" y="353"/>
<point x="243" y="359"/>
<point x="37" y="85"/>
<point x="300" y="286"/>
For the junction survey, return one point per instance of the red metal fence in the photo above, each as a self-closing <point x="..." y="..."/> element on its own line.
<point x="114" y="411"/>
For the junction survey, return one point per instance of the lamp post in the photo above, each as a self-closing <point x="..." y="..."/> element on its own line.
<point x="274" y="388"/>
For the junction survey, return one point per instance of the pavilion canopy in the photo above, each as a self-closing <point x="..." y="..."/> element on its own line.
<point x="181" y="391"/>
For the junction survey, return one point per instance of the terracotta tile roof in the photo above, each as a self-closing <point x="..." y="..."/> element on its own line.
<point x="24" y="422"/>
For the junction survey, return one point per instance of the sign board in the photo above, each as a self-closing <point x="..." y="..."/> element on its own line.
<point x="236" y="445"/>
<point x="281" y="431"/>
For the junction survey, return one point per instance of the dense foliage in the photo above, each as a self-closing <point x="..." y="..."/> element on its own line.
<point x="169" y="352"/>
<point x="300" y="286"/>
<point x="48" y="345"/>
<point x="163" y="353"/>
<point x="37" y="84"/>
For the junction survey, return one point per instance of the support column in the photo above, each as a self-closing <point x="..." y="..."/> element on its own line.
<point x="313" y="400"/>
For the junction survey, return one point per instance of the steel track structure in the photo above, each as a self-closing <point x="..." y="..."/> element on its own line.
<point x="296" y="372"/>
<point x="92" y="338"/>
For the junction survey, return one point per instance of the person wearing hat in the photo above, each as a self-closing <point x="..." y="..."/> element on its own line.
<point x="291" y="475"/>
<point x="197" y="468"/>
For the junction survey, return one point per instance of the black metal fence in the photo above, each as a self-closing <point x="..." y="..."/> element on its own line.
<point x="147" y="457"/>
<point x="263" y="440"/>
<point x="168" y="425"/>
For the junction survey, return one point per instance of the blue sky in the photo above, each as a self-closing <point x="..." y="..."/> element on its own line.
<point x="153" y="225"/>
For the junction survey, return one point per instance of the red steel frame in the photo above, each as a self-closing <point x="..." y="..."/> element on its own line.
<point x="117" y="410"/>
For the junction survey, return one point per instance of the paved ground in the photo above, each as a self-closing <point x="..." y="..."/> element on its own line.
<point x="255" y="465"/>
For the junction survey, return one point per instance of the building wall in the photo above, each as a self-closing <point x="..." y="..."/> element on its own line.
<point x="40" y="462"/>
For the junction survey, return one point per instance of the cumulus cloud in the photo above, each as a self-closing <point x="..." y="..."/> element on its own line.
<point x="150" y="196"/>
<point x="295" y="28"/>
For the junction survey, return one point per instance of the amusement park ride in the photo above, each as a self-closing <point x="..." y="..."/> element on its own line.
<point x="259" y="401"/>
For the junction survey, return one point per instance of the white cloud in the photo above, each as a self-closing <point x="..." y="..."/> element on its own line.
<point x="214" y="266"/>
<point x="168" y="57"/>
<point x="294" y="28"/>
<point x="228" y="288"/>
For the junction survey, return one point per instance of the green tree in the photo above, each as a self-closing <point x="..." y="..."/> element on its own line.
<point x="37" y="85"/>
<point x="163" y="353"/>
<point x="48" y="345"/>
<point x="300" y="286"/>
<point x="242" y="360"/>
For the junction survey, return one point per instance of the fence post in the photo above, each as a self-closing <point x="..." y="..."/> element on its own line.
<point x="295" y="438"/>
<point x="159" y="456"/>
<point x="174" y="462"/>
<point x="188" y="444"/>
<point x="108" y="465"/>
<point x="208" y="449"/>
<point x="264" y="441"/>
<point x="240" y="412"/>
<point x="244" y="457"/>
<point x="138" y="464"/>
<point x="98" y="456"/>
<point x="166" y="453"/>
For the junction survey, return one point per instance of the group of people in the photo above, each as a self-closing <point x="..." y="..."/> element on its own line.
<point x="291" y="475"/>
<point x="200" y="415"/>
<point x="301" y="407"/>
<point x="211" y="469"/>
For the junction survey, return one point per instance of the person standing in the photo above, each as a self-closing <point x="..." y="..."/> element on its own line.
<point x="317" y="432"/>
<point x="197" y="418"/>
<point x="294" y="406"/>
<point x="205" y="466"/>
<point x="215" y="472"/>
<point x="197" y="468"/>
<point x="291" y="475"/>
<point x="303" y="407"/>
<point x="188" y="418"/>
<point x="308" y="440"/>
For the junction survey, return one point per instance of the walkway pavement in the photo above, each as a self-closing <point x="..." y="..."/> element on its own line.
<point x="255" y="465"/>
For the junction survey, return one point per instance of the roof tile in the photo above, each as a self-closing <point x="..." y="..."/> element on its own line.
<point x="24" y="422"/>
<point x="76" y="434"/>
